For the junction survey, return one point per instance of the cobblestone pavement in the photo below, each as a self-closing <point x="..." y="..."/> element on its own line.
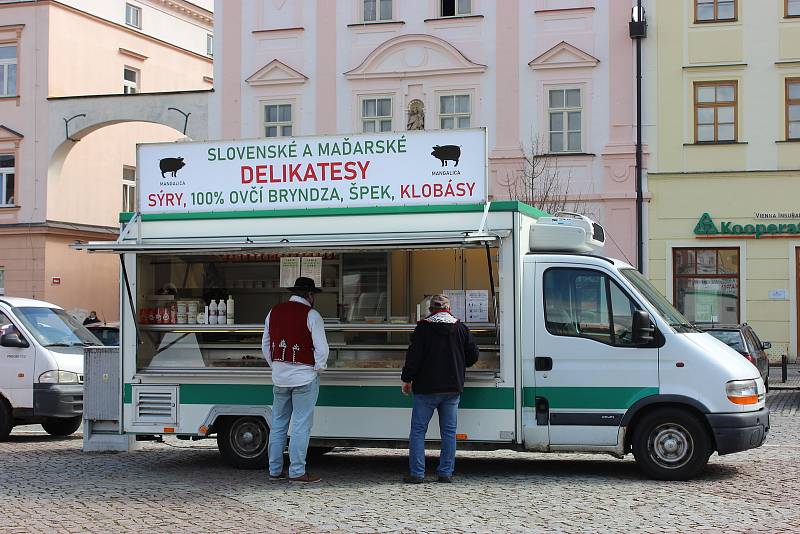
<point x="49" y="485"/>
<point x="792" y="377"/>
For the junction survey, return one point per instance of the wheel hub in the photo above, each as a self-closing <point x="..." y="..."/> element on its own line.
<point x="670" y="445"/>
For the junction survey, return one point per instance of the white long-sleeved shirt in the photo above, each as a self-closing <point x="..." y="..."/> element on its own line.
<point x="289" y="375"/>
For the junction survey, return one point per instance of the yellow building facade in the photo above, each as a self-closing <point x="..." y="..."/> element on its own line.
<point x="723" y="171"/>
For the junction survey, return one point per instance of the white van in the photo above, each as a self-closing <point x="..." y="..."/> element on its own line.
<point x="41" y="366"/>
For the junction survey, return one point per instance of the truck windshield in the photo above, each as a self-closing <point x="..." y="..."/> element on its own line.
<point x="55" y="328"/>
<point x="667" y="311"/>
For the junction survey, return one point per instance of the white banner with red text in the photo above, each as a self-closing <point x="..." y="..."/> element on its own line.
<point x="386" y="169"/>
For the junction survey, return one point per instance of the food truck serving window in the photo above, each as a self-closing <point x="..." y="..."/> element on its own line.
<point x="370" y="300"/>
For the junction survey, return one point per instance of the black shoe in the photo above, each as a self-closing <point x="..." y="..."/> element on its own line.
<point x="444" y="479"/>
<point x="283" y="476"/>
<point x="411" y="479"/>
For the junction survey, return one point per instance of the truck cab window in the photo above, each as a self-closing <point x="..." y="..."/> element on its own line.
<point x="588" y="304"/>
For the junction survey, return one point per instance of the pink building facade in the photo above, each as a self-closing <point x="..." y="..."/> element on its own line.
<point x="551" y="78"/>
<point x="67" y="144"/>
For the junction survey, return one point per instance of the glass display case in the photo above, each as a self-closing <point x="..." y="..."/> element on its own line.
<point x="370" y="301"/>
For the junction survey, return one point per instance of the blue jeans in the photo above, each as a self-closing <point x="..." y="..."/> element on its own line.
<point x="424" y="405"/>
<point x="297" y="404"/>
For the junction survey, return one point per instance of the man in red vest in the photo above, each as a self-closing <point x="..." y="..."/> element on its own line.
<point x="296" y="349"/>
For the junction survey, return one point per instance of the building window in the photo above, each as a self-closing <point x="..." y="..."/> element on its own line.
<point x="277" y="120"/>
<point x="706" y="284"/>
<point x="7" y="172"/>
<point x="588" y="304"/>
<point x="714" y="10"/>
<point x="715" y="110"/>
<point x="454" y="112"/>
<point x="793" y="109"/>
<point x="128" y="189"/>
<point x="209" y="44"/>
<point x="564" y="116"/>
<point x="376" y="114"/>
<point x="8" y="70"/>
<point x="130" y="81"/>
<point x="377" y="10"/>
<point x="133" y="16"/>
<point x="792" y="8"/>
<point x="455" y="8"/>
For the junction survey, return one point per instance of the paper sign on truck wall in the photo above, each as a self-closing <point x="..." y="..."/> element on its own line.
<point x="390" y="169"/>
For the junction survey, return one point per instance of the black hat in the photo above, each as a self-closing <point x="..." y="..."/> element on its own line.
<point x="305" y="284"/>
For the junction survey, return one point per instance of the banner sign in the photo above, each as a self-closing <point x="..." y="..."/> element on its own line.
<point x="707" y="227"/>
<point x="388" y="169"/>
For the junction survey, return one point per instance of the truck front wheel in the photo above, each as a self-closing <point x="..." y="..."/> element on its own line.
<point x="243" y="441"/>
<point x="671" y="444"/>
<point x="6" y="419"/>
<point x="61" y="426"/>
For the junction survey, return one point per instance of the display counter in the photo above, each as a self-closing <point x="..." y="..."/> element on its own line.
<point x="370" y="301"/>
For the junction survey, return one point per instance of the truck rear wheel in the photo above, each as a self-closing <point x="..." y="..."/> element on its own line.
<point x="243" y="441"/>
<point x="671" y="444"/>
<point x="6" y="420"/>
<point x="62" y="426"/>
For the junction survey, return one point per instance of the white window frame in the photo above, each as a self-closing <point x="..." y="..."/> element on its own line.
<point x="128" y="188"/>
<point x="209" y="45"/>
<point x="133" y="16"/>
<point x="129" y="87"/>
<point x="565" y="110"/>
<point x="5" y="64"/>
<point x="379" y="15"/>
<point x="454" y="114"/>
<point x="377" y="120"/>
<point x="456" y="10"/>
<point x="279" y="124"/>
<point x="4" y="173"/>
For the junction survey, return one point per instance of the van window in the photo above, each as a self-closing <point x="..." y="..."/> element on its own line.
<point x="586" y="303"/>
<point x="54" y="327"/>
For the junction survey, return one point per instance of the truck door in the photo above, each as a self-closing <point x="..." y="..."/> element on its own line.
<point x="16" y="368"/>
<point x="587" y="371"/>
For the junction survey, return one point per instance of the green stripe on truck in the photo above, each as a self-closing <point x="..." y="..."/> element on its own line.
<point x="601" y="398"/>
<point x="343" y="396"/>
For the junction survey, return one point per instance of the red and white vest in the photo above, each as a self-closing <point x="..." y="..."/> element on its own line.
<point x="289" y="337"/>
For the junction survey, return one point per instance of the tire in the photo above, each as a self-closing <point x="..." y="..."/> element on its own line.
<point x="243" y="441"/>
<point x="671" y="444"/>
<point x="59" y="426"/>
<point x="6" y="420"/>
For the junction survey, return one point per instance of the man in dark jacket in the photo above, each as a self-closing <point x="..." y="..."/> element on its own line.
<point x="441" y="348"/>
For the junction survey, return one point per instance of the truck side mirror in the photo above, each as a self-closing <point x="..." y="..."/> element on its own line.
<point x="13" y="340"/>
<point x="642" y="328"/>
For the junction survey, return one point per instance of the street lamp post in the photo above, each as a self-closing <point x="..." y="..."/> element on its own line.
<point x="637" y="29"/>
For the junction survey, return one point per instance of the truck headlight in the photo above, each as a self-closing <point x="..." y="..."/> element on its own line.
<point x="59" y="377"/>
<point x="742" y="391"/>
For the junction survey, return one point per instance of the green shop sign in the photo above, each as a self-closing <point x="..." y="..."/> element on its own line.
<point x="706" y="227"/>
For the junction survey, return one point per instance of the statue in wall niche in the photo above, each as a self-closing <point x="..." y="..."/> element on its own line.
<point x="416" y="115"/>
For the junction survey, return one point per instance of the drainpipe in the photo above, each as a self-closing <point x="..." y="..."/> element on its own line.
<point x="637" y="28"/>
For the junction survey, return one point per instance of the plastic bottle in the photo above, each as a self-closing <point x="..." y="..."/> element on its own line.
<point x="212" y="312"/>
<point x="229" y="310"/>
<point x="221" y="315"/>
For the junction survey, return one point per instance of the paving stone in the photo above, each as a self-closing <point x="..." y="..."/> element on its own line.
<point x="49" y="485"/>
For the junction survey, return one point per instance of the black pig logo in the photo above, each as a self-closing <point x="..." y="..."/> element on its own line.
<point x="171" y="165"/>
<point x="447" y="152"/>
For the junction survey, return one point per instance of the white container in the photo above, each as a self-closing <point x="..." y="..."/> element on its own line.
<point x="229" y="310"/>
<point x="221" y="316"/>
<point x="212" y="312"/>
<point x="182" y="307"/>
<point x="183" y="318"/>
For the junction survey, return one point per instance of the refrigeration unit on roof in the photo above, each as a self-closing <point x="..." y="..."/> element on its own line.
<point x="566" y="232"/>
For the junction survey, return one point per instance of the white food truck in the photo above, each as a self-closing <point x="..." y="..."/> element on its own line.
<point x="578" y="351"/>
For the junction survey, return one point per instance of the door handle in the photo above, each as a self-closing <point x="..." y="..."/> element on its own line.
<point x="543" y="363"/>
